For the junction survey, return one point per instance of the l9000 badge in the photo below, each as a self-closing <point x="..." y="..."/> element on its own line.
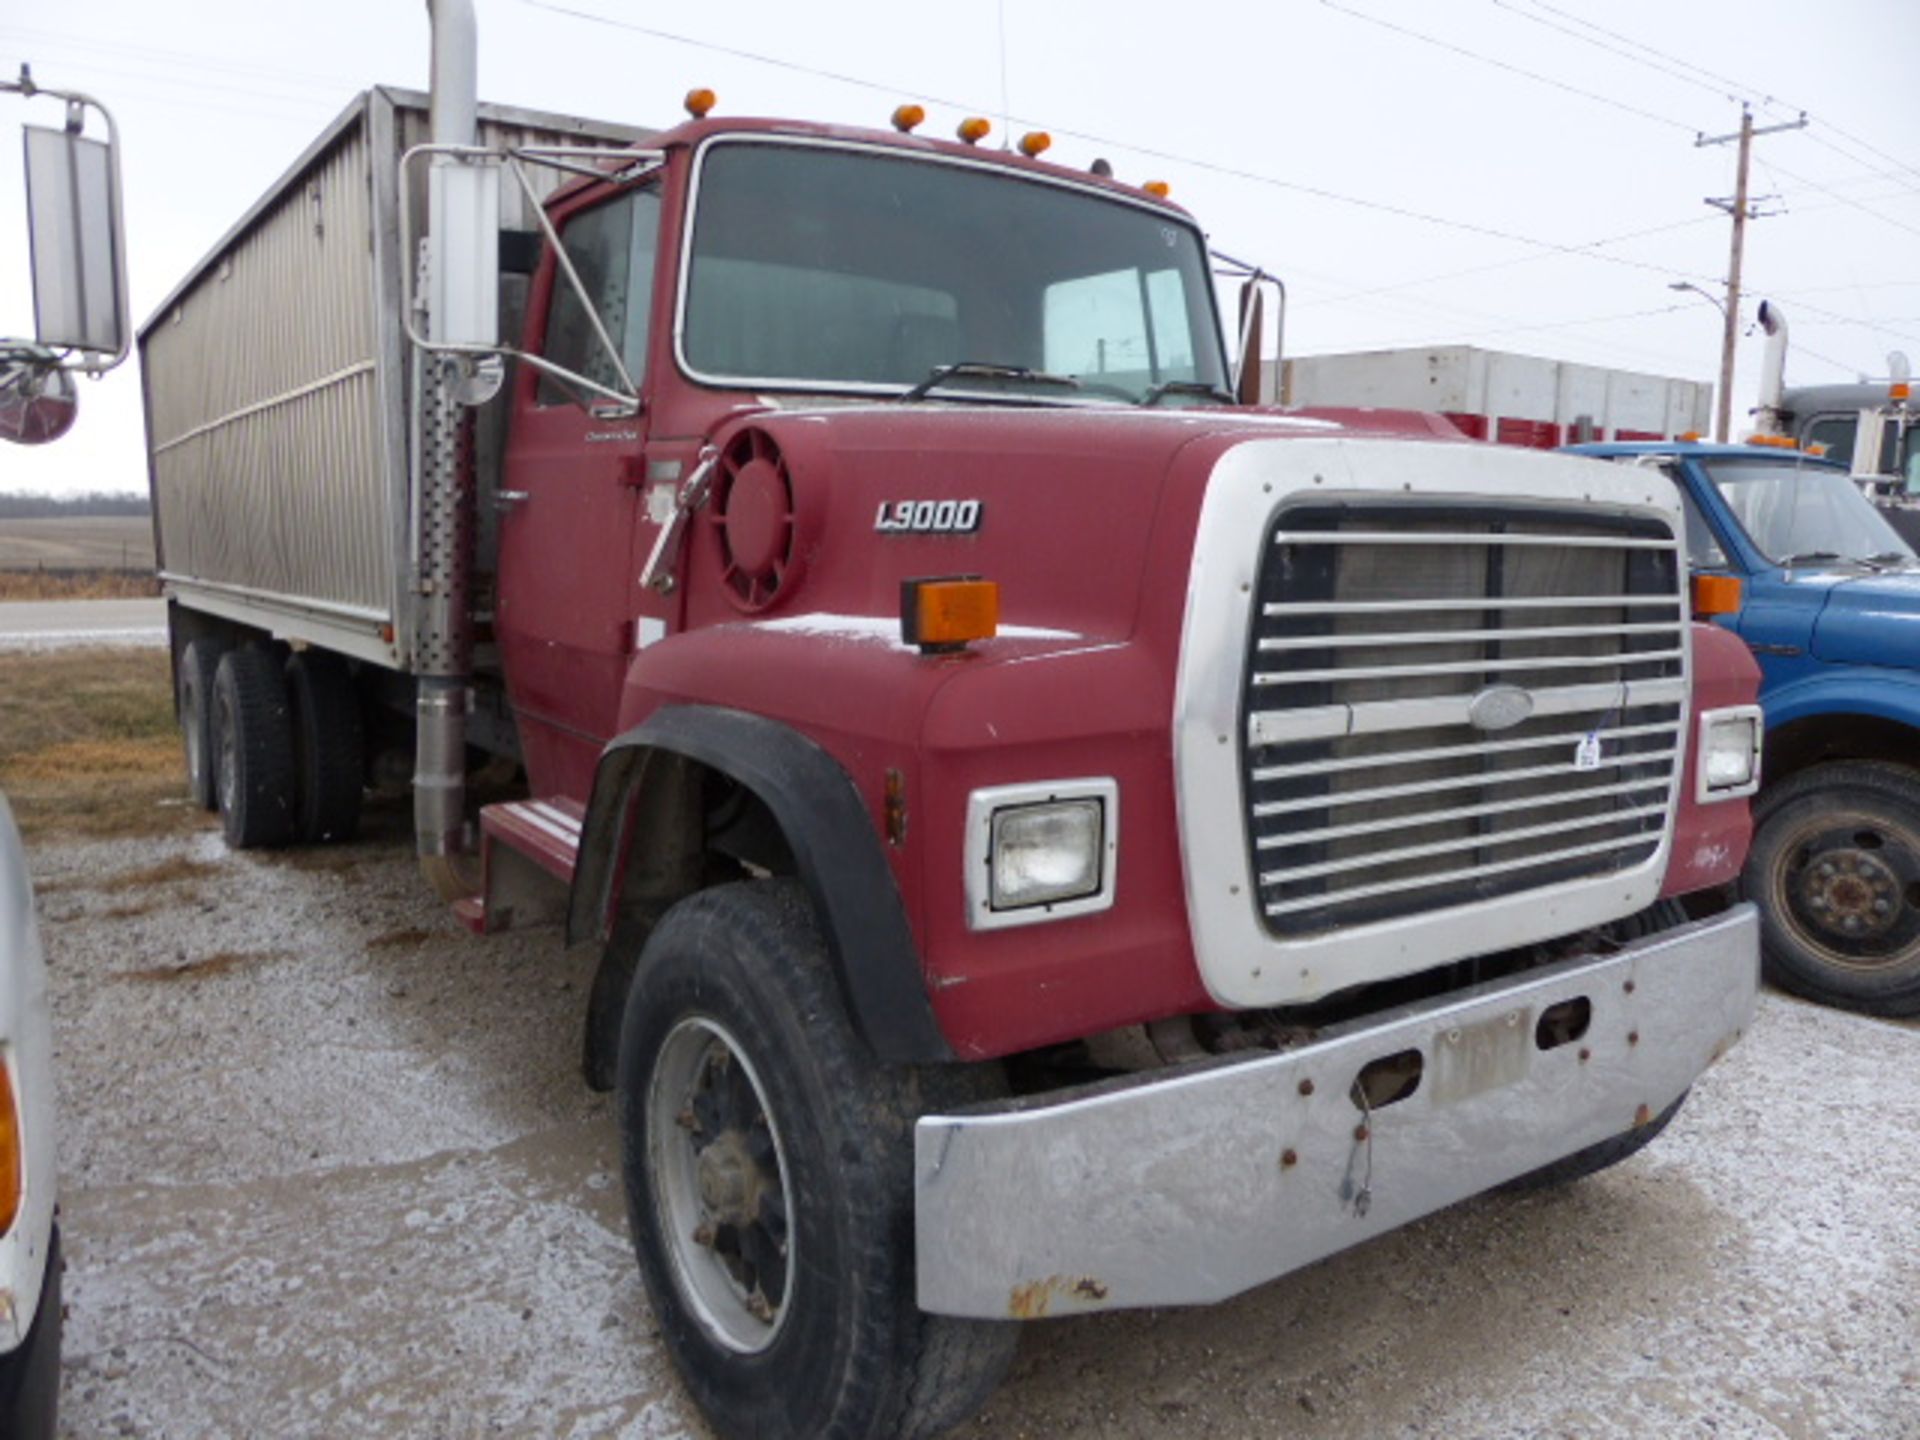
<point x="929" y="517"/>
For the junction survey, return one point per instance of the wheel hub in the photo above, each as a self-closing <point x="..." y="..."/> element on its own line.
<point x="720" y="1186"/>
<point x="729" y="1181"/>
<point x="1852" y="893"/>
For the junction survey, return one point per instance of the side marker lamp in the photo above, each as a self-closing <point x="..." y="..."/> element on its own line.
<point x="974" y="129"/>
<point x="11" y="1151"/>
<point x="906" y="117"/>
<point x="699" y="102"/>
<point x="1715" y="595"/>
<point x="942" y="615"/>
<point x="1035" y="143"/>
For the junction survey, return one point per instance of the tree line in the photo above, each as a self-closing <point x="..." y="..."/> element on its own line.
<point x="34" y="506"/>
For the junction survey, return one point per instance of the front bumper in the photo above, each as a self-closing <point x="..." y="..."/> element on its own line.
<point x="1186" y="1186"/>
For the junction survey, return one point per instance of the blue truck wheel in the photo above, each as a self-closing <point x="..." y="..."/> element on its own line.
<point x="1835" y="869"/>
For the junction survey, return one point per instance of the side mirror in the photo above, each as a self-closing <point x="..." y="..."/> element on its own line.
<point x="37" y="402"/>
<point x="73" y="218"/>
<point x="1247" y="389"/>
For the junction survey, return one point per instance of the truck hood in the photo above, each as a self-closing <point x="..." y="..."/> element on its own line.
<point x="1869" y="620"/>
<point x="1064" y="500"/>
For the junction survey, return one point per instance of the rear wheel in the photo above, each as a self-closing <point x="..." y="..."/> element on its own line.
<point x="329" y="749"/>
<point x="253" y="749"/>
<point x="194" y="704"/>
<point x="1835" y="869"/>
<point x="769" y="1173"/>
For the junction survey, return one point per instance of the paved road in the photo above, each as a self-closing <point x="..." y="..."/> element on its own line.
<point x="329" y="1170"/>
<point x="59" y="624"/>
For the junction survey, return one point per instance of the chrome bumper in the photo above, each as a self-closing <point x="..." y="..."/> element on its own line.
<point x="1187" y="1186"/>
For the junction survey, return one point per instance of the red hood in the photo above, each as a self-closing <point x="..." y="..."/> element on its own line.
<point x="1068" y="498"/>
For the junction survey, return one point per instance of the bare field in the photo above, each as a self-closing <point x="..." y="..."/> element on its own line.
<point x="86" y="542"/>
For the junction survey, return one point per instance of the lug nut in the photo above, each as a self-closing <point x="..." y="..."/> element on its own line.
<point x="703" y="1235"/>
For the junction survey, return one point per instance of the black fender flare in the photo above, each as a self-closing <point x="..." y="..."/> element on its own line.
<point x="836" y="849"/>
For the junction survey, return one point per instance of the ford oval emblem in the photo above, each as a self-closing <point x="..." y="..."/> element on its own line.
<point x="1500" y="707"/>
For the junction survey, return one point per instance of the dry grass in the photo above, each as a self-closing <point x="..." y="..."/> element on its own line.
<point x="88" y="744"/>
<point x="78" y="584"/>
<point x="411" y="939"/>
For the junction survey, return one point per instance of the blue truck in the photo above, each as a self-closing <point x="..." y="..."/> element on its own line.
<point x="1829" y="603"/>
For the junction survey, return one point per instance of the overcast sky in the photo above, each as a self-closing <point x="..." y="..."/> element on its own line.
<point x="1418" y="172"/>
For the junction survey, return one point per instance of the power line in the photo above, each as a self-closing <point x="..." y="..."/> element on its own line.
<point x="1512" y="69"/>
<point x="1765" y="99"/>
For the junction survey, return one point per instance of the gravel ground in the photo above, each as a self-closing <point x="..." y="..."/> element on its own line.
<point x="329" y="1170"/>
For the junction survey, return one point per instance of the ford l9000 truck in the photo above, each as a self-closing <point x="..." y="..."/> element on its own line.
<point x="1057" y="838"/>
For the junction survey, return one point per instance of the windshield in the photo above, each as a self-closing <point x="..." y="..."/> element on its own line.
<point x="814" y="267"/>
<point x="1805" y="513"/>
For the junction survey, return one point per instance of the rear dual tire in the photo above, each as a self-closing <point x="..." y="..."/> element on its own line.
<point x="282" y="750"/>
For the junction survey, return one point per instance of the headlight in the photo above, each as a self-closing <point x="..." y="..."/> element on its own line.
<point x="1040" y="852"/>
<point x="1728" y="763"/>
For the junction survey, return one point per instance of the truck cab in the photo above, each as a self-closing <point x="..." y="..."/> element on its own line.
<point x="1829" y="605"/>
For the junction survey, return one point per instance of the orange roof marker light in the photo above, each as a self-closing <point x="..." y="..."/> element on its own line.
<point x="1035" y="143"/>
<point x="1899" y="390"/>
<point x="1159" y="189"/>
<point x="973" y="129"/>
<point x="944" y="613"/>
<point x="699" y="102"/>
<point x="906" y="117"/>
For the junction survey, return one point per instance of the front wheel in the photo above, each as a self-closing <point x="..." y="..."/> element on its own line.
<point x="768" y="1160"/>
<point x="1835" y="869"/>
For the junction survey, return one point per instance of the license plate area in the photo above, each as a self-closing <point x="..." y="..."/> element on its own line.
<point x="1469" y="1060"/>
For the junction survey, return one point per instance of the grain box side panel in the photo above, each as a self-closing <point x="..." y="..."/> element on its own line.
<point x="270" y="478"/>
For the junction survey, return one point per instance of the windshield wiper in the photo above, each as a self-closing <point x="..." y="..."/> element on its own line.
<point x="1807" y="557"/>
<point x="1189" y="387"/>
<point x="1888" y="559"/>
<point x="987" y="369"/>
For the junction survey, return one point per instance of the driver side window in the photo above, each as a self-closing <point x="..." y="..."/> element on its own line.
<point x="613" y="246"/>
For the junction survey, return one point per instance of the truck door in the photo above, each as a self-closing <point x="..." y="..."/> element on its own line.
<point x="570" y="494"/>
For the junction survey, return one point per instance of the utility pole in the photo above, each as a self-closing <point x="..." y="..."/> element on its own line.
<point x="1738" y="208"/>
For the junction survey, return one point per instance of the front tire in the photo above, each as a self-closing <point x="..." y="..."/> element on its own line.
<point x="768" y="1161"/>
<point x="1835" y="869"/>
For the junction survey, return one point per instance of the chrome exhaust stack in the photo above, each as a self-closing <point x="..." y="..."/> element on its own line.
<point x="444" y="644"/>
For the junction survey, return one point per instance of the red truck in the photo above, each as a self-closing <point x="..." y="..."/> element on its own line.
<point x="1058" y="838"/>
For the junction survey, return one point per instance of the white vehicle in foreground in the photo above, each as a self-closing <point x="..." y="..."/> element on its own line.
<point x="29" y="1238"/>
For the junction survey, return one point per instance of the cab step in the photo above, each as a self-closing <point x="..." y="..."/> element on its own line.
<point x="525" y="846"/>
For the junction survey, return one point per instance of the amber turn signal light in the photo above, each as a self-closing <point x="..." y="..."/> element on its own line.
<point x="1035" y="143"/>
<point x="905" y="117"/>
<point x="699" y="102"/>
<point x="10" y="1152"/>
<point x="1159" y="189"/>
<point x="973" y="129"/>
<point x="1715" y="595"/>
<point x="945" y="613"/>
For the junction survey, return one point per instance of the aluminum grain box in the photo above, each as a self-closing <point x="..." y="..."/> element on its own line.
<point x="277" y="380"/>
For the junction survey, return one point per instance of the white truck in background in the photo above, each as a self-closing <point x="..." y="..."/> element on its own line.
<point x="81" y="327"/>
<point x="1498" y="395"/>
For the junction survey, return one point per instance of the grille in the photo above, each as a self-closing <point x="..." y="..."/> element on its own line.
<point x="1371" y="794"/>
